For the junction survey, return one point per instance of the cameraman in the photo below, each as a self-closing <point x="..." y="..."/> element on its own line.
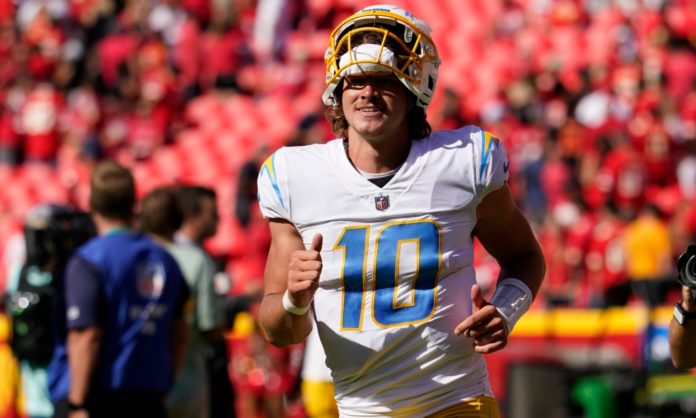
<point x="682" y="328"/>
<point x="51" y="233"/>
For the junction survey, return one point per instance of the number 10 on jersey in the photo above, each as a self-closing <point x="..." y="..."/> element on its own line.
<point x="386" y="310"/>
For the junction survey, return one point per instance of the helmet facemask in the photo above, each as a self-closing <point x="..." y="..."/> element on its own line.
<point x="382" y="40"/>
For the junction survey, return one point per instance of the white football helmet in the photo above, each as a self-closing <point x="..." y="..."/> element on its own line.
<point x="414" y="61"/>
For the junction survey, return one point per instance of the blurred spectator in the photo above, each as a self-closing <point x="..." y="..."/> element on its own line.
<point x="311" y="129"/>
<point x="124" y="336"/>
<point x="78" y="122"/>
<point x="650" y="265"/>
<point x="146" y="130"/>
<point x="161" y="217"/>
<point x="224" y="51"/>
<point x="686" y="172"/>
<point x="113" y="52"/>
<point x="622" y="177"/>
<point x="557" y="289"/>
<point x="605" y="261"/>
<point x="200" y="220"/>
<point x="247" y="198"/>
<point x="271" y="26"/>
<point x="577" y="223"/>
<point x="9" y="140"/>
<point x="38" y="123"/>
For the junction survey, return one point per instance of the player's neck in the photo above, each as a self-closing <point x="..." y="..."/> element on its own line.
<point x="377" y="157"/>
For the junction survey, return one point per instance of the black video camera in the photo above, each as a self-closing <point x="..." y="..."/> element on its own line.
<point x="55" y="230"/>
<point x="686" y="267"/>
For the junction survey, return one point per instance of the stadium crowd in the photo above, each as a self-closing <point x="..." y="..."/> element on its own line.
<point x="595" y="101"/>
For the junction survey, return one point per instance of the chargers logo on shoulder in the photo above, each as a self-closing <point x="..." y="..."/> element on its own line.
<point x="150" y="280"/>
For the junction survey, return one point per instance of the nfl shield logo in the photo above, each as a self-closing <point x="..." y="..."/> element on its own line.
<point x="382" y="202"/>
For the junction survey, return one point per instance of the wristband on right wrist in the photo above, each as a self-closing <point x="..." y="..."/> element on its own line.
<point x="291" y="307"/>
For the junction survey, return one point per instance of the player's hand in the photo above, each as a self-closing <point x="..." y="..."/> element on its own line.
<point x="303" y="273"/>
<point x="485" y="325"/>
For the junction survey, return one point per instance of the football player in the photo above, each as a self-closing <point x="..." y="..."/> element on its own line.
<point x="373" y="232"/>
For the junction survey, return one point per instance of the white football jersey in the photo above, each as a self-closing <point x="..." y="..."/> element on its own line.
<point x="397" y="266"/>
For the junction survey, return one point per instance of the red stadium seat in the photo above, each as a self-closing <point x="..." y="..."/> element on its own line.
<point x="168" y="162"/>
<point x="52" y="191"/>
<point x="36" y="173"/>
<point x="146" y="178"/>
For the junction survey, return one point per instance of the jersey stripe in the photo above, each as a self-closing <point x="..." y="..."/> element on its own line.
<point x="487" y="141"/>
<point x="269" y="169"/>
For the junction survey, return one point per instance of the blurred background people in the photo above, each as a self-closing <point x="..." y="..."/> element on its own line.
<point x="124" y="334"/>
<point x="648" y="247"/>
<point x="200" y="220"/>
<point x="160" y="217"/>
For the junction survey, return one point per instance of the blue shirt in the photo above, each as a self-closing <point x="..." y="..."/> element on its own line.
<point x="132" y="289"/>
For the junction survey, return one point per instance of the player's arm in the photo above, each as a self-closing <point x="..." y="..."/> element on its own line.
<point x="291" y="268"/>
<point x="682" y="338"/>
<point x="505" y="233"/>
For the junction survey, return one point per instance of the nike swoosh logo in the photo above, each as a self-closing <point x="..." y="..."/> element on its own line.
<point x="506" y="165"/>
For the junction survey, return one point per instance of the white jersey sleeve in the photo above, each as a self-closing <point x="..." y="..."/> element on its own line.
<point x="272" y="187"/>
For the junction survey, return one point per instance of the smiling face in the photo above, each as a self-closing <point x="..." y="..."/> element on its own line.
<point x="375" y="106"/>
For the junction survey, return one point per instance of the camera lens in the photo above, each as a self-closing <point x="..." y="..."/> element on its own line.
<point x="686" y="266"/>
<point x="690" y="268"/>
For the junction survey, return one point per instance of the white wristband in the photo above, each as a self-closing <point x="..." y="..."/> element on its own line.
<point x="512" y="299"/>
<point x="291" y="308"/>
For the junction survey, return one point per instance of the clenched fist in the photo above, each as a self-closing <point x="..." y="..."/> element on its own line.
<point x="303" y="273"/>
